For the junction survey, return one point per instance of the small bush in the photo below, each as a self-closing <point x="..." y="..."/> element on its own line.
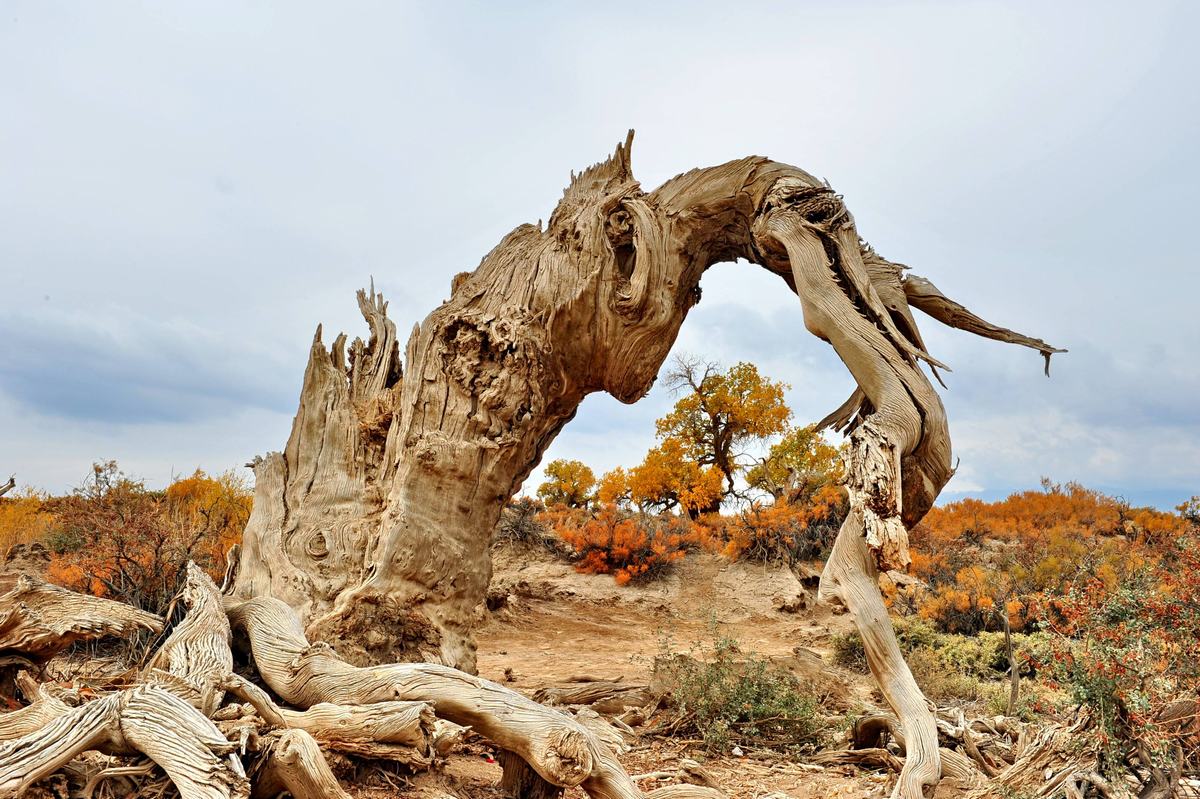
<point x="726" y="697"/>
<point x="941" y="681"/>
<point x="519" y="523"/>
<point x="1036" y="700"/>
<point x="23" y="519"/>
<point x="978" y="657"/>
<point x="777" y="533"/>
<point x="1129" y="655"/>
<point x="630" y="547"/>
<point x="113" y="537"/>
<point x="848" y="651"/>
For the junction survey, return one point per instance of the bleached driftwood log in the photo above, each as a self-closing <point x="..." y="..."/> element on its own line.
<point x="147" y="719"/>
<point x="292" y="762"/>
<point x="38" y="619"/>
<point x="375" y="520"/>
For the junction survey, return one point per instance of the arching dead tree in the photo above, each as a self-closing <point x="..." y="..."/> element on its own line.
<point x="374" y="521"/>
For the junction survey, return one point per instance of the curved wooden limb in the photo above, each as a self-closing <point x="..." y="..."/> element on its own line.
<point x="922" y="294"/>
<point x="398" y="731"/>
<point x="41" y="752"/>
<point x="851" y="577"/>
<point x="197" y="651"/>
<point x="293" y="763"/>
<point x="40" y="619"/>
<point x="42" y="709"/>
<point x="558" y="748"/>
<point x="142" y="769"/>
<point x="187" y="745"/>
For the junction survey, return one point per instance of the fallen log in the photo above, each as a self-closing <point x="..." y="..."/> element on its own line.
<point x="601" y="695"/>
<point x="398" y="731"/>
<point x="168" y="717"/>
<point x="292" y="762"/>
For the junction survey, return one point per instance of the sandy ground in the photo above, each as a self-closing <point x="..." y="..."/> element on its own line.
<point x="555" y="624"/>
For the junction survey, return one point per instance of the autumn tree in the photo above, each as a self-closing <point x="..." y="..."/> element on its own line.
<point x="797" y="466"/>
<point x="613" y="487"/>
<point x="568" y="482"/>
<point x="720" y="413"/>
<point x="668" y="478"/>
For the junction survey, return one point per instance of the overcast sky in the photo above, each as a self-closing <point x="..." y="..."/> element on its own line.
<point x="187" y="189"/>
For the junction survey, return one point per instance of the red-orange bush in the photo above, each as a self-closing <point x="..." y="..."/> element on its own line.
<point x="780" y="532"/>
<point x="630" y="547"/>
<point x="1130" y="653"/>
<point x="114" y="537"/>
<point x="984" y="562"/>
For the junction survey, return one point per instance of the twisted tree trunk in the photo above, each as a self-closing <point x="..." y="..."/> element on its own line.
<point x="374" y="522"/>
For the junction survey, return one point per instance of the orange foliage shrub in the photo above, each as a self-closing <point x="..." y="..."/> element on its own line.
<point x="23" y="518"/>
<point x="779" y="532"/>
<point x="114" y="537"/>
<point x="632" y="548"/>
<point x="1129" y="655"/>
<point x="988" y="561"/>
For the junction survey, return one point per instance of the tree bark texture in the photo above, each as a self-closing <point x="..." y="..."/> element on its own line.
<point x="374" y="522"/>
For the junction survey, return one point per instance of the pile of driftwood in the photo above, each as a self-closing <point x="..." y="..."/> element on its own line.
<point x="187" y="718"/>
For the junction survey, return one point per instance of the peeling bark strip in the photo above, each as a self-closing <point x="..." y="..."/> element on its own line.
<point x="374" y="522"/>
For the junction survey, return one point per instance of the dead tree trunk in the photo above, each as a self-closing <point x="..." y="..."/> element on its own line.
<point x="375" y="520"/>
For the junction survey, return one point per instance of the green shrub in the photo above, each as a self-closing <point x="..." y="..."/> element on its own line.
<point x="940" y="681"/>
<point x="847" y="649"/>
<point x="1035" y="701"/>
<point x="727" y="697"/>
<point x="982" y="656"/>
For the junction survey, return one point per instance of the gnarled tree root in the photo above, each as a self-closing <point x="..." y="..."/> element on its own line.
<point x="39" y="619"/>
<point x="560" y="750"/>
<point x="146" y="719"/>
<point x="292" y="762"/>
